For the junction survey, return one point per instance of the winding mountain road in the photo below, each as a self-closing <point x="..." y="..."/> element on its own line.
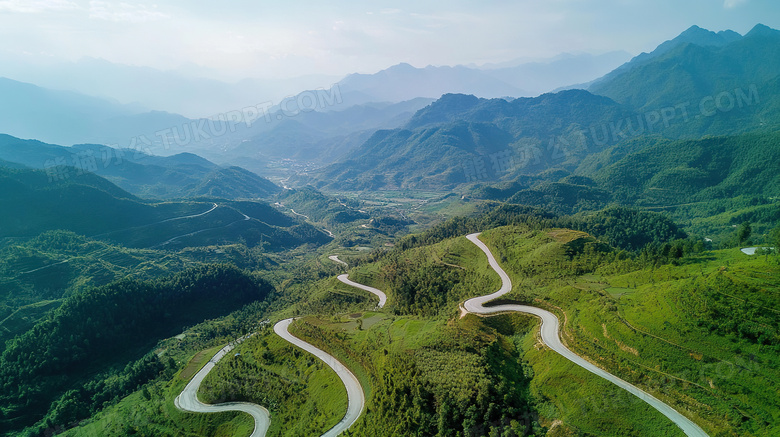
<point x="375" y="291"/>
<point x="213" y="207"/>
<point x="356" y="399"/>
<point x="345" y="279"/>
<point x="335" y="259"/>
<point x="188" y="399"/>
<point x="550" y="337"/>
<point x="189" y="234"/>
<point x="549" y="330"/>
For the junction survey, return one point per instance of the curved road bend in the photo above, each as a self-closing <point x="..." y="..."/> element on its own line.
<point x="246" y="217"/>
<point x="213" y="207"/>
<point x="356" y="399"/>
<point x="550" y="337"/>
<point x="188" y="399"/>
<point x="345" y="279"/>
<point x="335" y="259"/>
<point x="379" y="293"/>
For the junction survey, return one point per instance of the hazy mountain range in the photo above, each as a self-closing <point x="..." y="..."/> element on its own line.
<point x="175" y="176"/>
<point x="182" y="92"/>
<point x="545" y="76"/>
<point x="376" y="130"/>
<point x="110" y="103"/>
<point x="678" y="91"/>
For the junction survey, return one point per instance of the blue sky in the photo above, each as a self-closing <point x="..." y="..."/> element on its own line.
<point x="250" y="38"/>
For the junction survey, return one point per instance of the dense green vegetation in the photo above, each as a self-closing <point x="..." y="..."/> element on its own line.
<point x="669" y="173"/>
<point x="321" y="208"/>
<point x="433" y="377"/>
<point x="234" y="183"/>
<point x="435" y="149"/>
<point x="426" y="275"/>
<point x="408" y="355"/>
<point x="150" y="411"/>
<point x="707" y="185"/>
<point x="701" y="335"/>
<point x="304" y="396"/>
<point x="177" y="176"/>
<point x="104" y="327"/>
<point x="679" y="91"/>
<point x="91" y="206"/>
<point x="690" y="73"/>
<point x="38" y="273"/>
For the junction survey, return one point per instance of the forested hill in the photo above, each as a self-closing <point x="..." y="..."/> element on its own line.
<point x="105" y="327"/>
<point x="692" y="35"/>
<point x="234" y="183"/>
<point x="711" y="184"/>
<point x="739" y="78"/>
<point x="94" y="207"/>
<point x="434" y="149"/>
<point x="537" y="116"/>
<point x="670" y="172"/>
<point x="701" y="83"/>
<point x="162" y="177"/>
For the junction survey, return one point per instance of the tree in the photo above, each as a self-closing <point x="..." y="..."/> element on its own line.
<point x="743" y="233"/>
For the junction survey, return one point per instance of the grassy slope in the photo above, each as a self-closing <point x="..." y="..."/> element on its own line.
<point x="638" y="325"/>
<point x="156" y="415"/>
<point x="565" y="391"/>
<point x="723" y="382"/>
<point x="304" y="396"/>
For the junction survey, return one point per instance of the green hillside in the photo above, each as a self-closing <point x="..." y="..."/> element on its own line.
<point x="104" y="328"/>
<point x="636" y="299"/>
<point x="136" y="171"/>
<point x="669" y="173"/>
<point x="730" y="87"/>
<point x="644" y="213"/>
<point x="91" y="206"/>
<point x="234" y="183"/>
<point x="461" y="138"/>
<point x="708" y="185"/>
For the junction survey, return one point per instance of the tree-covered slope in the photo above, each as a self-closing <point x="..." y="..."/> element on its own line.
<point x="234" y="183"/>
<point x="90" y="205"/>
<point x="672" y="172"/>
<point x="136" y="171"/>
<point x="108" y="326"/>
<point x="461" y="138"/>
<point x="736" y="79"/>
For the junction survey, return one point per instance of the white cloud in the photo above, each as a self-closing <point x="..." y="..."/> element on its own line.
<point x="729" y="4"/>
<point x="124" y="12"/>
<point x="35" y="6"/>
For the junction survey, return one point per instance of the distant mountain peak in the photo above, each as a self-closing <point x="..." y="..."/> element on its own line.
<point x="403" y="82"/>
<point x="402" y="67"/>
<point x="762" y="30"/>
<point x="699" y="36"/>
<point x="694" y="29"/>
<point x="693" y="35"/>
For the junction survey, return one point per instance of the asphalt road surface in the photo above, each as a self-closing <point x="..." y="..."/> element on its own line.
<point x="188" y="399"/>
<point x="335" y="258"/>
<point x="379" y="293"/>
<point x="345" y="279"/>
<point x="356" y="399"/>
